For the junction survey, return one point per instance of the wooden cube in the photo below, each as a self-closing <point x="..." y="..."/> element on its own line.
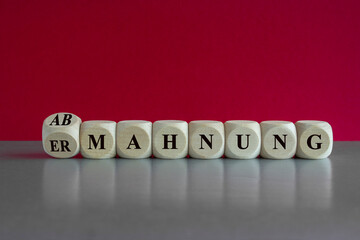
<point x="278" y="139"/>
<point x="60" y="135"/>
<point x="315" y="139"/>
<point x="133" y="139"/>
<point x="170" y="139"/>
<point x="206" y="139"/>
<point x="97" y="139"/>
<point x="242" y="139"/>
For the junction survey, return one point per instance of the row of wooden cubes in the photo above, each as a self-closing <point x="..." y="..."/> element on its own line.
<point x="65" y="135"/>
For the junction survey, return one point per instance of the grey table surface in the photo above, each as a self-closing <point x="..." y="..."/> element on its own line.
<point x="45" y="198"/>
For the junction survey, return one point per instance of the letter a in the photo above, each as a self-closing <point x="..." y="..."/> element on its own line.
<point x="55" y="120"/>
<point x="133" y="141"/>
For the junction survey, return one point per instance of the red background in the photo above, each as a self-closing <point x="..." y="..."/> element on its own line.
<point x="188" y="60"/>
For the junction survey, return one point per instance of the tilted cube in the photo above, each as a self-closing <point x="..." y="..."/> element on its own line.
<point x="60" y="135"/>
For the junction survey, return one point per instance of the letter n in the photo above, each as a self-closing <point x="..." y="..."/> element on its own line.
<point x="282" y="142"/>
<point x="207" y="141"/>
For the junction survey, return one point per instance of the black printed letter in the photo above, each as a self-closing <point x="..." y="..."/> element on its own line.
<point x="64" y="144"/>
<point x="209" y="143"/>
<point x="283" y="143"/>
<point x="66" y="120"/>
<point x="239" y="141"/>
<point x="318" y="145"/>
<point x="54" y="147"/>
<point x="56" y="120"/>
<point x="166" y="141"/>
<point x="101" y="139"/>
<point x="134" y="142"/>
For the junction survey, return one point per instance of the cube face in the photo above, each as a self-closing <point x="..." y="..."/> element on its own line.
<point x="97" y="139"/>
<point x="133" y="139"/>
<point x="315" y="139"/>
<point x="279" y="139"/>
<point x="242" y="139"/>
<point x="170" y="139"/>
<point x="206" y="139"/>
<point x="61" y="145"/>
<point x="60" y="135"/>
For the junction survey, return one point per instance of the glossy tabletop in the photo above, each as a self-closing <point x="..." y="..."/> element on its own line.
<point x="45" y="198"/>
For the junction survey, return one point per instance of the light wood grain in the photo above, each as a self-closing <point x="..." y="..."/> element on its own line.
<point x="170" y="139"/>
<point x="242" y="139"/>
<point x="134" y="139"/>
<point x="278" y="139"/>
<point x="315" y="139"/>
<point x="97" y="139"/>
<point x="206" y="139"/>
